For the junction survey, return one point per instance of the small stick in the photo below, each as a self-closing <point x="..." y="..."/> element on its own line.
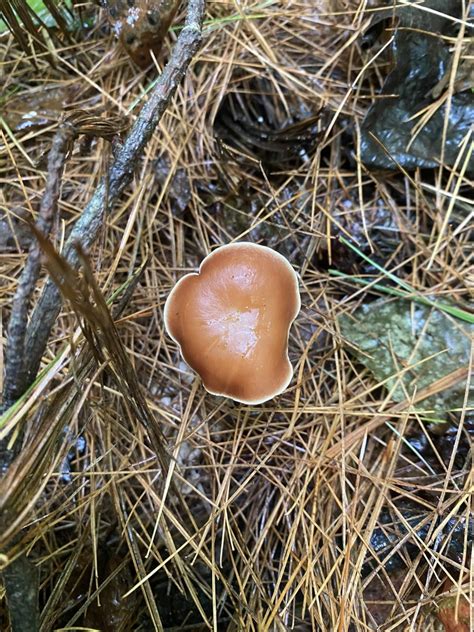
<point x="15" y="360"/>
<point x="120" y="174"/>
<point x="19" y="575"/>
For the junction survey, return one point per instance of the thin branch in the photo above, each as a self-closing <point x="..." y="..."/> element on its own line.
<point x="86" y="229"/>
<point x="18" y="576"/>
<point x="15" y="360"/>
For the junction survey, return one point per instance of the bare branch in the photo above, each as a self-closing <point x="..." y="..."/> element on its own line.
<point x="21" y="371"/>
<point x="120" y="175"/>
<point x="15" y="360"/>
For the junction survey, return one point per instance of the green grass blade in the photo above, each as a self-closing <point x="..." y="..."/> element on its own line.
<point x="408" y="293"/>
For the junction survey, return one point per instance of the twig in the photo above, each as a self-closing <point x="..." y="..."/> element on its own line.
<point x="15" y="360"/>
<point x="19" y="575"/>
<point x="120" y="175"/>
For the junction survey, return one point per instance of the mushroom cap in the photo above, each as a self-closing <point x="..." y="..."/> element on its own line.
<point x="231" y="321"/>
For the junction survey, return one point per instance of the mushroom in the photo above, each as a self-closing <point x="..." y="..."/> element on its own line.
<point x="231" y="321"/>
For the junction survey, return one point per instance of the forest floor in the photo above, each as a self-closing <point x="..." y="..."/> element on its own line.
<point x="343" y="504"/>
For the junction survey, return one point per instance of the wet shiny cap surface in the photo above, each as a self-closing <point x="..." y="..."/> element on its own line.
<point x="232" y="319"/>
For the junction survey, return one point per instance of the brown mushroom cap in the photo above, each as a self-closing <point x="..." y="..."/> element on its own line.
<point x="232" y="319"/>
